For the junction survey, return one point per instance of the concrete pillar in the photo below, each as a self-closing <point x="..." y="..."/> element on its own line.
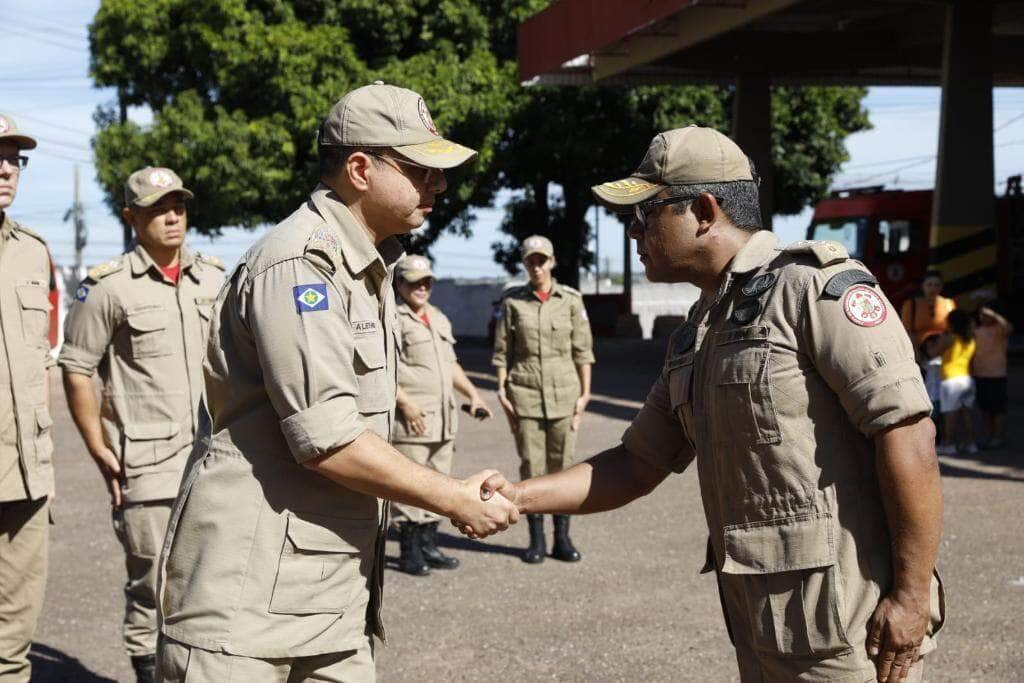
<point x="963" y="236"/>
<point x="752" y="131"/>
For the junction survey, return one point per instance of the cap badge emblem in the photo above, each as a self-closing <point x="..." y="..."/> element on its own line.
<point x="425" y="116"/>
<point x="4" y="125"/>
<point x="160" y="178"/>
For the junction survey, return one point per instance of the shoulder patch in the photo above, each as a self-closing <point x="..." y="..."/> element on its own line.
<point x="864" y="307"/>
<point x="81" y="293"/>
<point x="840" y="282"/>
<point x="826" y="252"/>
<point x="311" y="297"/>
<point x="211" y="260"/>
<point x="104" y="269"/>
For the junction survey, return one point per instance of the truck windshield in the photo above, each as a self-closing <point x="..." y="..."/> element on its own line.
<point x="850" y="232"/>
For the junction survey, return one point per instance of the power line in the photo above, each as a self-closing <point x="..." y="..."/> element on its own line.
<point x="1016" y="118"/>
<point x="41" y="39"/>
<point x="51" y="125"/>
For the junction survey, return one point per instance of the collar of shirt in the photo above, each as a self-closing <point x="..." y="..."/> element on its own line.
<point x="556" y="290"/>
<point x="141" y="262"/>
<point x="759" y="250"/>
<point x="406" y="309"/>
<point x="7" y="226"/>
<point x="357" y="249"/>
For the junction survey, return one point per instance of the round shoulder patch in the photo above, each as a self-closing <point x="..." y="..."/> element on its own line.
<point x="864" y="307"/>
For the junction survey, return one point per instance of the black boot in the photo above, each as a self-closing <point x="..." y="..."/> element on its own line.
<point x="145" y="668"/>
<point x="411" y="560"/>
<point x="431" y="553"/>
<point x="563" y="549"/>
<point x="536" y="552"/>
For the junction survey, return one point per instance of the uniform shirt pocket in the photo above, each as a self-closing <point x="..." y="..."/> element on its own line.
<point x="680" y="392"/>
<point x="561" y="334"/>
<point x="148" y="329"/>
<point x="744" y="412"/>
<point x="149" y="443"/>
<point x="375" y="394"/>
<point x="35" y="313"/>
<point x="323" y="564"/>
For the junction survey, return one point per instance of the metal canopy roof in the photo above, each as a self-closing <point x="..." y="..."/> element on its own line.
<point x="834" y="42"/>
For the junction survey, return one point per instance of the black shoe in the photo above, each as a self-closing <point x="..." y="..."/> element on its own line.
<point x="563" y="549"/>
<point x="145" y="668"/>
<point x="411" y="559"/>
<point x="431" y="553"/>
<point x="536" y="552"/>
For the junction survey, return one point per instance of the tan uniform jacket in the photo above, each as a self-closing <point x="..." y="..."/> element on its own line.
<point x="777" y="393"/>
<point x="263" y="557"/>
<point x="426" y="360"/>
<point x="26" y="449"/>
<point x="147" y="338"/>
<point x="542" y="344"/>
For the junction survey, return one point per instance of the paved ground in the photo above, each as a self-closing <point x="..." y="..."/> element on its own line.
<point x="634" y="609"/>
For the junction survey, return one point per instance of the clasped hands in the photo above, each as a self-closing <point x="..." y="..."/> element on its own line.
<point x="480" y="513"/>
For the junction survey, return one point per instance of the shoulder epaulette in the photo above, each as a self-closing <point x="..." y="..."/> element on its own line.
<point x="104" y="269"/>
<point x="569" y="290"/>
<point x="21" y="228"/>
<point x="210" y="260"/>
<point x="513" y="291"/>
<point x="826" y="252"/>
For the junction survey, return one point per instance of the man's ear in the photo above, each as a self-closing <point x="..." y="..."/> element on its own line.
<point x="706" y="209"/>
<point x="127" y="215"/>
<point x="355" y="170"/>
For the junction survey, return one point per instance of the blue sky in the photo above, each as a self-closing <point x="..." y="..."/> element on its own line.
<point x="44" y="85"/>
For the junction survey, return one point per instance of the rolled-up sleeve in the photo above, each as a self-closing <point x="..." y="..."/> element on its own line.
<point x="870" y="367"/>
<point x="306" y="349"/>
<point x="582" y="339"/>
<point x="656" y="435"/>
<point x="88" y="329"/>
<point x="499" y="358"/>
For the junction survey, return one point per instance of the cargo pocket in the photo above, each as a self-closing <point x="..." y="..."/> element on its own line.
<point x="370" y="359"/>
<point x="319" y="571"/>
<point x="149" y="333"/>
<point x="148" y="443"/>
<point x="680" y="392"/>
<point x="35" y="314"/>
<point x="793" y="600"/>
<point x="561" y="334"/>
<point x="743" y="405"/>
<point x="44" y="441"/>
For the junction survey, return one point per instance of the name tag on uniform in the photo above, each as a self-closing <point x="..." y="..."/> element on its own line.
<point x="309" y="298"/>
<point x="361" y="327"/>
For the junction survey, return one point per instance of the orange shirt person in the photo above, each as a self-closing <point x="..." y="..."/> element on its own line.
<point x="926" y="313"/>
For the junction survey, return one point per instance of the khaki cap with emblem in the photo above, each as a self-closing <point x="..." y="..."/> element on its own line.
<point x="413" y="268"/>
<point x="381" y="115"/>
<point x="537" y="244"/>
<point x="147" y="186"/>
<point x="9" y="132"/>
<point x="684" y="156"/>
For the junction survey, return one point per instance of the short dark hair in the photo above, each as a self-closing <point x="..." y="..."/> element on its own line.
<point x="739" y="200"/>
<point x="960" y="324"/>
<point x="333" y="157"/>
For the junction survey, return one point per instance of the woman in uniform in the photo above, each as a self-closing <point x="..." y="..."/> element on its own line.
<point x="543" y="352"/>
<point x="428" y="376"/>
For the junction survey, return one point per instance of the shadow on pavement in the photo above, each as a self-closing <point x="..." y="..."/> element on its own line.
<point x="49" y="664"/>
<point x="972" y="469"/>
<point x="456" y="542"/>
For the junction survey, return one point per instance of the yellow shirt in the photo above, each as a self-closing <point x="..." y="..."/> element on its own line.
<point x="956" y="360"/>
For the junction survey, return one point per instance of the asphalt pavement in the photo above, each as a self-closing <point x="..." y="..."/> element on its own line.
<point x="636" y="607"/>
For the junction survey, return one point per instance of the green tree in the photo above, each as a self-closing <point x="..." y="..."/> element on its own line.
<point x="238" y="87"/>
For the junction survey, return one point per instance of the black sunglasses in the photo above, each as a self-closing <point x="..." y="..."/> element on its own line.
<point x="643" y="209"/>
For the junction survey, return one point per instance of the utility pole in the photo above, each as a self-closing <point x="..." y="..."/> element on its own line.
<point x="76" y="214"/>
<point x="597" y="248"/>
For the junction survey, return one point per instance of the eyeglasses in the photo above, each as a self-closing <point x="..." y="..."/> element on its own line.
<point x="19" y="162"/>
<point x="643" y="209"/>
<point x="421" y="175"/>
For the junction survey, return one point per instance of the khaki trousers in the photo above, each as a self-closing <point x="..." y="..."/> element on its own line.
<point x="140" y="528"/>
<point x="179" y="663"/>
<point x="438" y="457"/>
<point x="24" y="541"/>
<point x="545" y="446"/>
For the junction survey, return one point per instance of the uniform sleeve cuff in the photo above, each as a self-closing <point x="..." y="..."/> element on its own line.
<point x="78" y="360"/>
<point x="583" y="359"/>
<point x="886" y="397"/>
<point x="657" y="454"/>
<point x="322" y="428"/>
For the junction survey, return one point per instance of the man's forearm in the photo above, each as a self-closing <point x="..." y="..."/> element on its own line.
<point x="908" y="475"/>
<point x="462" y="383"/>
<point x="372" y="466"/>
<point x="606" y="481"/>
<point x="84" y="408"/>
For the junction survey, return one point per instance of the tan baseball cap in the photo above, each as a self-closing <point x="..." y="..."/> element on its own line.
<point x="537" y="244"/>
<point x="9" y="131"/>
<point x="381" y="115"/>
<point x="684" y="156"/>
<point x="413" y="268"/>
<point x="147" y="186"/>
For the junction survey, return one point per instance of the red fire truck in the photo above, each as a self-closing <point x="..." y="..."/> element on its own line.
<point x="889" y="231"/>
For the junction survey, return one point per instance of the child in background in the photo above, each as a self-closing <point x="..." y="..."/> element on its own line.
<point x="930" y="352"/>
<point x="989" y="370"/>
<point x="956" y="393"/>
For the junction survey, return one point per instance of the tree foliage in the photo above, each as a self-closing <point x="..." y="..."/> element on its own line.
<point x="238" y="88"/>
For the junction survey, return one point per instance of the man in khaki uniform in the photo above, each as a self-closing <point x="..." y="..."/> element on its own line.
<point x="793" y="385"/>
<point x="428" y="377"/>
<point x="26" y="472"/>
<point x="543" y="353"/>
<point x="142" y="321"/>
<point x="273" y="562"/>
